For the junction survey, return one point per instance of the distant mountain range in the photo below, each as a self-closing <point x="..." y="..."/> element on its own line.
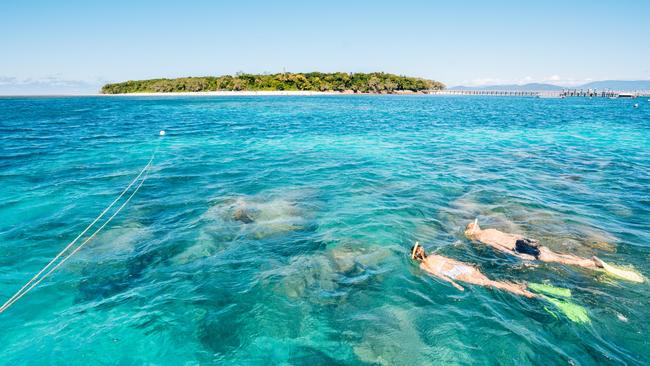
<point x="618" y="85"/>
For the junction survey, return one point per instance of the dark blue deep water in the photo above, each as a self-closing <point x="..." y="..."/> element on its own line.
<point x="336" y="190"/>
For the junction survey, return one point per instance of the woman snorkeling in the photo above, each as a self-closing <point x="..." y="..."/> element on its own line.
<point x="451" y="270"/>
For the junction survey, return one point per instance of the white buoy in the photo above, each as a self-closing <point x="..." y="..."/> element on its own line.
<point x="636" y="105"/>
<point x="162" y="132"/>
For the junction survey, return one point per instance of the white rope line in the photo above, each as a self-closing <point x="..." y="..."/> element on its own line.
<point x="75" y="239"/>
<point x="75" y="250"/>
<point x="25" y="289"/>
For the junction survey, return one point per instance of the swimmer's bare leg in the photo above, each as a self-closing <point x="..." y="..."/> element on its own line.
<point x="547" y="255"/>
<point x="515" y="288"/>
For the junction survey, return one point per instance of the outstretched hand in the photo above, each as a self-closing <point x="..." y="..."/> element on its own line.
<point x="457" y="286"/>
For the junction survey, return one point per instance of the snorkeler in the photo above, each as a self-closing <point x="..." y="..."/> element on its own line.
<point x="524" y="248"/>
<point x="452" y="270"/>
<point x="530" y="249"/>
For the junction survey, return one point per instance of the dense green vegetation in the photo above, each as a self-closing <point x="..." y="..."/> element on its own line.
<point x="377" y="82"/>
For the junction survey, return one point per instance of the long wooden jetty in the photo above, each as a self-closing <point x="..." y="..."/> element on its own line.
<point x="591" y="93"/>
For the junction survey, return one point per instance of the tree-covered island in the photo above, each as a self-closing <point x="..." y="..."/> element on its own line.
<point x="376" y="82"/>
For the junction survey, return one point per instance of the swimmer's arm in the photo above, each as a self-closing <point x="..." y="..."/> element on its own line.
<point x="527" y="257"/>
<point x="505" y="249"/>
<point x="442" y="277"/>
<point x="453" y="283"/>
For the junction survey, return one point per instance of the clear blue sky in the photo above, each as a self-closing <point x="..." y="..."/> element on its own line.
<point x="85" y="43"/>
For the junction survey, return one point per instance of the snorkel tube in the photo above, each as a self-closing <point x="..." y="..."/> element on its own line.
<point x="415" y="249"/>
<point x="474" y="227"/>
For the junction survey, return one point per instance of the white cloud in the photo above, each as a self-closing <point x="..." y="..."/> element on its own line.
<point x="7" y="80"/>
<point x="10" y="85"/>
<point x="483" y="81"/>
<point x="552" y="79"/>
<point x="558" y="80"/>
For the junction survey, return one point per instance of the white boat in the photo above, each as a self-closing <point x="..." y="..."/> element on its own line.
<point x="626" y="95"/>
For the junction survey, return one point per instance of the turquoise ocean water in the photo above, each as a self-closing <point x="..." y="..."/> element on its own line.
<point x="335" y="190"/>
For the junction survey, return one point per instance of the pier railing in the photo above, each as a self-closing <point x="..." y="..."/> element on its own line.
<point x="592" y="93"/>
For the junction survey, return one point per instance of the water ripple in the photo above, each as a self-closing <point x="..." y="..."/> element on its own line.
<point x="276" y="230"/>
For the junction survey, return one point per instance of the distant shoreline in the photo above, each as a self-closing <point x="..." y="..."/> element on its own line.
<point x="375" y="82"/>
<point x="270" y="93"/>
<point x="243" y="93"/>
<point x="258" y="93"/>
